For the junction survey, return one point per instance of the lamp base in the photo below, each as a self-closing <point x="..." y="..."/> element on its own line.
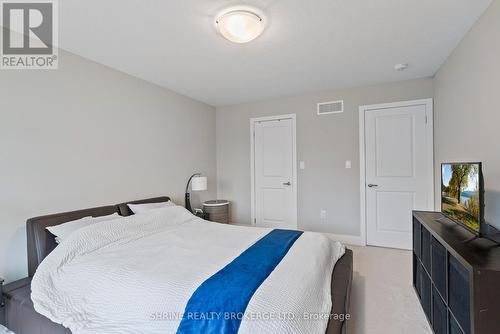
<point x="187" y="202"/>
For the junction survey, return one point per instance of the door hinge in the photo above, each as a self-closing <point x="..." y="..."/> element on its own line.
<point x="255" y="221"/>
<point x="425" y="118"/>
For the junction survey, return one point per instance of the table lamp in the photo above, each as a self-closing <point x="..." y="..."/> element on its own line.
<point x="198" y="183"/>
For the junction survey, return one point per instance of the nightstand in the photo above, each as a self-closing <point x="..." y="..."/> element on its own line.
<point x="217" y="210"/>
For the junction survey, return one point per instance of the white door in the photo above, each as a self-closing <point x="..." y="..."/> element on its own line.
<point x="274" y="174"/>
<point x="399" y="170"/>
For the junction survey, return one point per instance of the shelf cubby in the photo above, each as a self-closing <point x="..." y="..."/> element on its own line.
<point x="457" y="281"/>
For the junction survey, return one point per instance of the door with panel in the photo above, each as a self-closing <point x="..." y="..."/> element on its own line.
<point x="399" y="170"/>
<point x="274" y="157"/>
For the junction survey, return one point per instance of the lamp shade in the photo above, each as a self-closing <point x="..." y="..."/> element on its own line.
<point x="199" y="183"/>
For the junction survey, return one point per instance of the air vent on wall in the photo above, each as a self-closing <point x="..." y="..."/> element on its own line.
<point x="332" y="107"/>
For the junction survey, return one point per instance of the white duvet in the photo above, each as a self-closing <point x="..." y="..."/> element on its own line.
<point x="136" y="274"/>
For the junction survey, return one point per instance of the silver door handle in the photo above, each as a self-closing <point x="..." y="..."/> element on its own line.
<point x="287" y="184"/>
<point x="373" y="185"/>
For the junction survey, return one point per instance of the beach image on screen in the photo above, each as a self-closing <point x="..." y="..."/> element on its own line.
<point x="460" y="194"/>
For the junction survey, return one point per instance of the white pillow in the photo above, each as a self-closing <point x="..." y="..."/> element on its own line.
<point x="104" y="218"/>
<point x="139" y="208"/>
<point x="64" y="230"/>
<point x="5" y="330"/>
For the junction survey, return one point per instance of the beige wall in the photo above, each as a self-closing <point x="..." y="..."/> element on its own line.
<point x="467" y="106"/>
<point x="85" y="135"/>
<point x="323" y="142"/>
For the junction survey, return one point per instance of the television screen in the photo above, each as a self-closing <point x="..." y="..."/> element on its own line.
<point x="461" y="194"/>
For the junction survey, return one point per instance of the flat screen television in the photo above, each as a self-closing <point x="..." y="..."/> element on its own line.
<point x="462" y="194"/>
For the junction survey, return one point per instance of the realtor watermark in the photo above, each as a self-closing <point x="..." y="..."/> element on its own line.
<point x="248" y="316"/>
<point x="29" y="34"/>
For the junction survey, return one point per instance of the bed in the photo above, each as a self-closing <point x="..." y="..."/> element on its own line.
<point x="20" y="314"/>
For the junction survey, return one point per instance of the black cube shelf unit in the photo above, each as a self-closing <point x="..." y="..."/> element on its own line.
<point x="457" y="282"/>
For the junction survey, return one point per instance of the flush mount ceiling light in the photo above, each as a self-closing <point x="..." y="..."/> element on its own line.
<point x="240" y="26"/>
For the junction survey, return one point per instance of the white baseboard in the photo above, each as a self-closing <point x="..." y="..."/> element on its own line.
<point x="354" y="240"/>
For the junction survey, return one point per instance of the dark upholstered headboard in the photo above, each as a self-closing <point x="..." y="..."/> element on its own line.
<point x="41" y="242"/>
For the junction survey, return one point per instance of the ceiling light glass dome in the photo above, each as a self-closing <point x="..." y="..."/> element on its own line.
<point x="240" y="26"/>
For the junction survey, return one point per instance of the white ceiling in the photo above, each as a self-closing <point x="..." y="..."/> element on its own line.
<point x="309" y="45"/>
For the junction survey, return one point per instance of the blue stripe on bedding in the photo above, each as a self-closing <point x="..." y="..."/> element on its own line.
<point x="217" y="306"/>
